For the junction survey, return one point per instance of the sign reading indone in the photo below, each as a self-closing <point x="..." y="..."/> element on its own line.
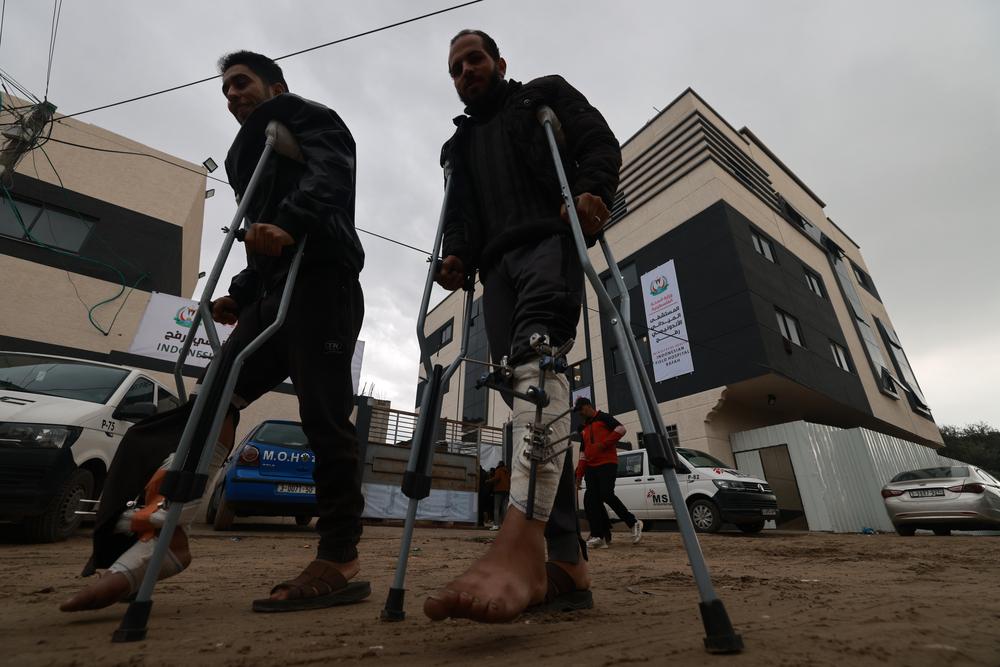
<point x="668" y="340"/>
<point x="166" y="324"/>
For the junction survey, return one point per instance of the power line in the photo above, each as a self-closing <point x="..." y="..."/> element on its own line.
<point x="53" y="32"/>
<point x="219" y="180"/>
<point x="287" y="55"/>
<point x="3" y="13"/>
<point x="140" y="154"/>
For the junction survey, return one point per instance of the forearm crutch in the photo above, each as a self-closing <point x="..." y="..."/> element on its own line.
<point x="719" y="634"/>
<point x="417" y="478"/>
<point x="187" y="476"/>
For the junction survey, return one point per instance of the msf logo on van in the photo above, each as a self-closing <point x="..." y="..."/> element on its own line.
<point x="290" y="457"/>
<point x="658" y="498"/>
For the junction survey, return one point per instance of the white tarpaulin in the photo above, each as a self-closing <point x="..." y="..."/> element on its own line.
<point x="388" y="502"/>
<point x="168" y="320"/>
<point x="490" y="456"/>
<point x="668" y="344"/>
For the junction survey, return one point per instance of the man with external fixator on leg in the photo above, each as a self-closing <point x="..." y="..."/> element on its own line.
<point x="504" y="218"/>
<point x="311" y="202"/>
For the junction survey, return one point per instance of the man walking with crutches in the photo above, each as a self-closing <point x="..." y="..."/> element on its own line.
<point x="503" y="218"/>
<point x="310" y="202"/>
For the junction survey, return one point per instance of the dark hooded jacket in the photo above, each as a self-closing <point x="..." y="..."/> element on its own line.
<point x="314" y="198"/>
<point x="504" y="191"/>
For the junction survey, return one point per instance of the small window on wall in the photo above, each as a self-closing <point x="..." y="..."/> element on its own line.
<point x="840" y="357"/>
<point x="762" y="245"/>
<point x="43" y="225"/>
<point x="789" y="327"/>
<point x="815" y="283"/>
<point x="447" y="333"/>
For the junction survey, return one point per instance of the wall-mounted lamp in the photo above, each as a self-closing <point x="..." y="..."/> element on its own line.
<point x="209" y="193"/>
<point x="209" y="164"/>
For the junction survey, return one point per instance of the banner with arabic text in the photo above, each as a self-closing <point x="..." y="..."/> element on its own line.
<point x="668" y="339"/>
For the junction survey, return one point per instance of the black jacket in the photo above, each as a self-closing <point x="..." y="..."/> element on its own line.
<point x="504" y="190"/>
<point x="316" y="198"/>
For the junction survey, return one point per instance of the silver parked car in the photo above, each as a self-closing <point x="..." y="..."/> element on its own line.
<point x="943" y="499"/>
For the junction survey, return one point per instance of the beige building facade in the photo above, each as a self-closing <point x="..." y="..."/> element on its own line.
<point x="783" y="317"/>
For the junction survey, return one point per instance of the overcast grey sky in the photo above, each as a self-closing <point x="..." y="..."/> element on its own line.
<point x="889" y="111"/>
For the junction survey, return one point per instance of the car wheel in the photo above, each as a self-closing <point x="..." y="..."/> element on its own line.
<point x="213" y="505"/>
<point x="751" y="528"/>
<point x="944" y="532"/>
<point x="906" y="531"/>
<point x="60" y="519"/>
<point x="705" y="515"/>
<point x="224" y="513"/>
<point x="303" y="520"/>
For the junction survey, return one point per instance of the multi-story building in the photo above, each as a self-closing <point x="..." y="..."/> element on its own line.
<point x="783" y="318"/>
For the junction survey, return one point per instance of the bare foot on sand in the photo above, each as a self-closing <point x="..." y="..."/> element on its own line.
<point x="112" y="587"/>
<point x="501" y="584"/>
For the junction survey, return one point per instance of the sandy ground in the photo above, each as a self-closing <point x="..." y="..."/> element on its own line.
<point x="797" y="599"/>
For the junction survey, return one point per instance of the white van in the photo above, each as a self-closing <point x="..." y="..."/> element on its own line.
<point x="713" y="492"/>
<point x="61" y="421"/>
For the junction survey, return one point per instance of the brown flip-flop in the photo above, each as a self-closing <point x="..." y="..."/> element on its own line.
<point x="320" y="585"/>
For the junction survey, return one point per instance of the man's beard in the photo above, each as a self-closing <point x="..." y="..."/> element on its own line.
<point x="494" y="81"/>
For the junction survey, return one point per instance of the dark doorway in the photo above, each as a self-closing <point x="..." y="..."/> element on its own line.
<point x="781" y="476"/>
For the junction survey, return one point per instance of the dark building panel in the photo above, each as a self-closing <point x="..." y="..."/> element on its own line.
<point x="147" y="251"/>
<point x="720" y="322"/>
<point x="729" y="293"/>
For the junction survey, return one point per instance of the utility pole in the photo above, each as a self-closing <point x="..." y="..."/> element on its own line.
<point x="21" y="138"/>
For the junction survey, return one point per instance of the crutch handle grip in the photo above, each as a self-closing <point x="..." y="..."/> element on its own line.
<point x="545" y="114"/>
<point x="283" y="142"/>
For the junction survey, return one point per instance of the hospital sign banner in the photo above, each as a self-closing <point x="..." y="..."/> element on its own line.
<point x="668" y="340"/>
<point x="166" y="324"/>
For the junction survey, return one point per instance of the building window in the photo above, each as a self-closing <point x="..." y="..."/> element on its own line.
<point x="43" y="225"/>
<point x="444" y="335"/>
<point x="902" y="364"/>
<point x="864" y="280"/>
<point x="789" y="327"/>
<point x="801" y="222"/>
<point x="762" y="245"/>
<point x="840" y="356"/>
<point x="815" y="283"/>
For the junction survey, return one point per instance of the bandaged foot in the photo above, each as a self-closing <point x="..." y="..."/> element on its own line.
<point x="548" y="473"/>
<point x="123" y="578"/>
<point x="125" y="575"/>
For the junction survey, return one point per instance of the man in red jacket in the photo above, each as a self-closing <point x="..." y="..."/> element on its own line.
<point x="599" y="464"/>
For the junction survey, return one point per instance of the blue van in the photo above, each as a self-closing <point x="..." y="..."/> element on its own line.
<point x="269" y="473"/>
